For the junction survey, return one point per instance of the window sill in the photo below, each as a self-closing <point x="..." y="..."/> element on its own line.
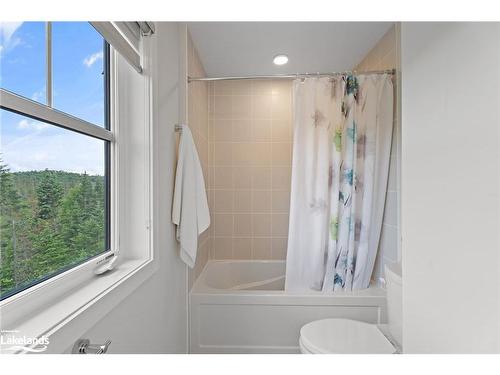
<point x="108" y="289"/>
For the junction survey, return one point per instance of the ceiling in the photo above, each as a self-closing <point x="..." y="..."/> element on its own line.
<point x="248" y="48"/>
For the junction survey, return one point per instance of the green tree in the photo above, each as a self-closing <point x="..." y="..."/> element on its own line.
<point x="50" y="254"/>
<point x="49" y="193"/>
<point x="71" y="215"/>
<point x="82" y="218"/>
<point x="8" y="202"/>
<point x="14" y="243"/>
<point x="49" y="220"/>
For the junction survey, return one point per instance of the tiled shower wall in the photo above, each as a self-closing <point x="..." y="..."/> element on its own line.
<point x="244" y="138"/>
<point x="386" y="55"/>
<point x="250" y="138"/>
<point x="198" y="123"/>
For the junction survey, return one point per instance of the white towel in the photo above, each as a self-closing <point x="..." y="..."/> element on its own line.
<point x="190" y="207"/>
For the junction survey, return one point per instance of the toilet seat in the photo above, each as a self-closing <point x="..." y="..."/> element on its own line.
<point x="343" y="336"/>
<point x="303" y="349"/>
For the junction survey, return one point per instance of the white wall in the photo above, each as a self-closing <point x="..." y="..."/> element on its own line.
<point x="153" y="319"/>
<point x="450" y="187"/>
<point x="197" y="119"/>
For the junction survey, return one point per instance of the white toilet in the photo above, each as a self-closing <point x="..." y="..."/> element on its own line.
<point x="346" y="336"/>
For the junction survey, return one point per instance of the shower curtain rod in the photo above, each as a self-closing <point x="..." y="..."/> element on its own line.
<point x="291" y="76"/>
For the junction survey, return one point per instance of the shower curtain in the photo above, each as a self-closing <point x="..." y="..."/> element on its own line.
<point x="341" y="153"/>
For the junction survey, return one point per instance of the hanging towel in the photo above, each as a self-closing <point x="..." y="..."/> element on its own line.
<point x="190" y="208"/>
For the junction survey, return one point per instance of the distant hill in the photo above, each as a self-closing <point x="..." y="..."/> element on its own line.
<point x="26" y="182"/>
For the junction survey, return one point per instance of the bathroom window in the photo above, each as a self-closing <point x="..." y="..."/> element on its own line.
<point x="55" y="159"/>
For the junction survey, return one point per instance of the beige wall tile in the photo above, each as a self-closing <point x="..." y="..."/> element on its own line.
<point x="261" y="248"/>
<point x="223" y="178"/>
<point x="223" y="247"/>
<point x="261" y="225"/>
<point x="281" y="130"/>
<point x="279" y="224"/>
<point x="282" y="87"/>
<point x="261" y="178"/>
<point x="243" y="201"/>
<point x="242" y="107"/>
<point x="242" y="87"/>
<point x="281" y="107"/>
<point x="223" y="224"/>
<point x="261" y="130"/>
<point x="242" y="177"/>
<point x="242" y="130"/>
<point x="261" y="201"/>
<point x="242" y="154"/>
<point x="211" y="250"/>
<point x="282" y="153"/>
<point x="261" y="154"/>
<point x="243" y="225"/>
<point x="222" y="88"/>
<point x="222" y="130"/>
<point x="223" y="153"/>
<point x="222" y="107"/>
<point x="281" y="178"/>
<point x="211" y="103"/>
<point x="250" y="135"/>
<point x="223" y="200"/>
<point x="279" y="246"/>
<point x="262" y="87"/>
<point x="211" y="148"/>
<point x="280" y="202"/>
<point x="210" y="198"/>
<point x="261" y="106"/>
<point x="242" y="248"/>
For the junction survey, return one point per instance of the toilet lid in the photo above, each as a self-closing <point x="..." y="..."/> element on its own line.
<point x="344" y="336"/>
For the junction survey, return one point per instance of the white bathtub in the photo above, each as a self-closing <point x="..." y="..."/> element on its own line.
<point x="241" y="307"/>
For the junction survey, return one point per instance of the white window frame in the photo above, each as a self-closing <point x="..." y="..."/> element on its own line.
<point x="44" y="308"/>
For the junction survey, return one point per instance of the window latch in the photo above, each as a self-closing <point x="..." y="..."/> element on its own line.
<point x="108" y="266"/>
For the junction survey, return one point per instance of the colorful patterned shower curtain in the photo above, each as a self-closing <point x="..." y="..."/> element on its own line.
<point x="341" y="153"/>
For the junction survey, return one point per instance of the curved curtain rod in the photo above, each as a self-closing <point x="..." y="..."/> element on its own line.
<point x="291" y="76"/>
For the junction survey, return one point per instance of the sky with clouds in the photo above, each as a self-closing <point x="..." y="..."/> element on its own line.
<point x="77" y="80"/>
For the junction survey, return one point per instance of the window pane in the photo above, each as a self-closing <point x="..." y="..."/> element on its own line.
<point x="77" y="71"/>
<point x="52" y="200"/>
<point x="22" y="59"/>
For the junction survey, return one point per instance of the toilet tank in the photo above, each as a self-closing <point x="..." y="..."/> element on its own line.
<point x="393" y="279"/>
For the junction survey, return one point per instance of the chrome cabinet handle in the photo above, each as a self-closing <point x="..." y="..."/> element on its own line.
<point x="83" y="346"/>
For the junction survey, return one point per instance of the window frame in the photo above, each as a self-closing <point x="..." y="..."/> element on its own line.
<point x="53" y="308"/>
<point x="23" y="106"/>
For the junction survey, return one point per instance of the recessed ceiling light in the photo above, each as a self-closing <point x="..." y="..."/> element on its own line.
<point x="280" y="59"/>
